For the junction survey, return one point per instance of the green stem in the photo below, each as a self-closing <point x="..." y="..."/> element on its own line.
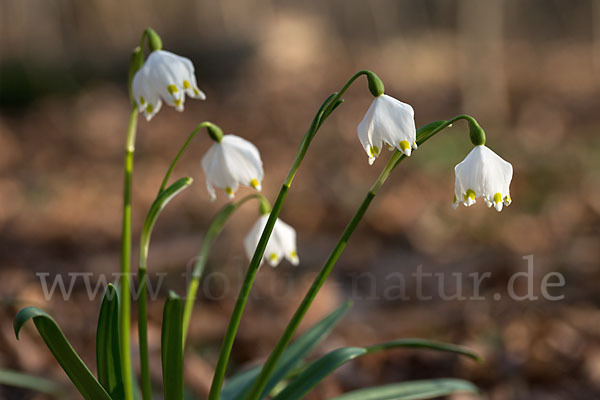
<point x="143" y="334"/>
<point x="236" y="316"/>
<point x="423" y="135"/>
<point x="125" y="323"/>
<point x="324" y="111"/>
<point x="205" y="124"/>
<point x="215" y="227"/>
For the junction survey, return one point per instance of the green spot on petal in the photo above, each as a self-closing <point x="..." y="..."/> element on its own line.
<point x="186" y="84"/>
<point x="404" y="145"/>
<point x="497" y="198"/>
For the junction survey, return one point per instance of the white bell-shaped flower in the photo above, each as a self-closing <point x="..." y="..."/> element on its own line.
<point x="164" y="77"/>
<point x="281" y="244"/>
<point x="388" y="122"/>
<point x="482" y="174"/>
<point x="231" y="162"/>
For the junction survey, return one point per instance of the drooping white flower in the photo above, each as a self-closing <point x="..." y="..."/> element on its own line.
<point x="483" y="174"/>
<point x="164" y="77"/>
<point x="281" y="244"/>
<point x="388" y="122"/>
<point x="231" y="162"/>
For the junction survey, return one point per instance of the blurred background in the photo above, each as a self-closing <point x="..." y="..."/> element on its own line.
<point x="527" y="70"/>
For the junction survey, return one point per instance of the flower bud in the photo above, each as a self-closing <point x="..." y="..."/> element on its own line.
<point x="154" y="41"/>
<point x="476" y="133"/>
<point x="375" y="84"/>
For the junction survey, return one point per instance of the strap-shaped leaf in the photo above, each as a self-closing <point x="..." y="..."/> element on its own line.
<point x="425" y="344"/>
<point x="316" y="371"/>
<point x="171" y="349"/>
<point x="26" y="381"/>
<point x="108" y="349"/>
<point x="78" y="372"/>
<point x="238" y="386"/>
<point x="415" y="390"/>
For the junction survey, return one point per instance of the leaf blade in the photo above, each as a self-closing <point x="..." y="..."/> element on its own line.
<point x="108" y="347"/>
<point x="85" y="382"/>
<point x="171" y="349"/>
<point x="239" y="385"/>
<point x="26" y="381"/>
<point x="415" y="390"/>
<point x="316" y="371"/>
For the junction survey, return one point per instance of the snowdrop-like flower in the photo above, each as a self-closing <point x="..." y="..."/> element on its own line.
<point x="388" y="122"/>
<point x="482" y="174"/>
<point x="230" y="162"/>
<point x="282" y="243"/>
<point x="164" y="77"/>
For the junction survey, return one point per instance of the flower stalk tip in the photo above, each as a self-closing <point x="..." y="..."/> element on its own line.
<point x="264" y="207"/>
<point x="154" y="40"/>
<point x="214" y="132"/>
<point x="476" y="133"/>
<point x="375" y="84"/>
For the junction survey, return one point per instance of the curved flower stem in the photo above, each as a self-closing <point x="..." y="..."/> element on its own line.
<point x="125" y="323"/>
<point x="205" y="124"/>
<point x="423" y="134"/>
<point x="324" y="111"/>
<point x="428" y="131"/>
<point x="215" y="227"/>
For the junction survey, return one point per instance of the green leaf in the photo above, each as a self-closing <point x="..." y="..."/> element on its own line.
<point x="238" y="386"/>
<point x="415" y="390"/>
<point x="319" y="369"/>
<point x="171" y="349"/>
<point x="425" y="344"/>
<point x="108" y="349"/>
<point x="64" y="353"/>
<point x="26" y="381"/>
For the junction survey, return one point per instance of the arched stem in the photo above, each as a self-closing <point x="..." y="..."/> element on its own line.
<point x="324" y="111"/>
